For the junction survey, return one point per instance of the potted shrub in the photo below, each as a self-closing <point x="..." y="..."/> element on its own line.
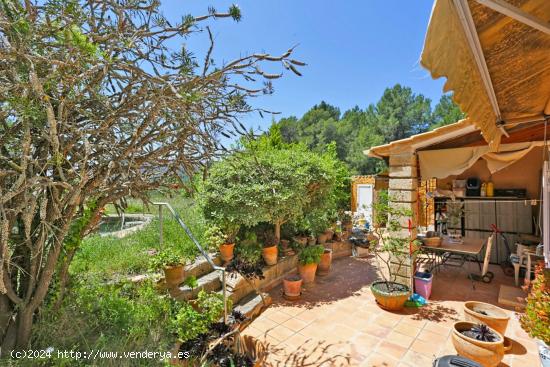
<point x="325" y="263"/>
<point x="308" y="259"/>
<point x="172" y="264"/>
<point x="478" y="342"/>
<point x="292" y="287"/>
<point x="537" y="312"/>
<point x="484" y="313"/>
<point x="394" y="251"/>
<point x="223" y="240"/>
<point x="270" y="249"/>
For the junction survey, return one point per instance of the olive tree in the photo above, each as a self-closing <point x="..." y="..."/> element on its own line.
<point x="100" y="100"/>
<point x="266" y="183"/>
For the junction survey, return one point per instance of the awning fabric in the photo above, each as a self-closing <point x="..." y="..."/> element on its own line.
<point x="517" y="58"/>
<point x="443" y="163"/>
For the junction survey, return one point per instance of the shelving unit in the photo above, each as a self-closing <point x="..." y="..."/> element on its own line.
<point x="512" y="215"/>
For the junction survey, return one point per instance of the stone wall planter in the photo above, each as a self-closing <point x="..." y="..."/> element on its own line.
<point x="173" y="275"/>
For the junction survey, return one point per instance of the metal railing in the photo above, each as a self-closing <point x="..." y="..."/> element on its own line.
<point x="196" y="242"/>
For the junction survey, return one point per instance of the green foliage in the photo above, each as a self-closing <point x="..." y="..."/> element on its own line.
<point x="392" y="246"/>
<point x="311" y="254"/>
<point x="166" y="257"/>
<point x="398" y="114"/>
<point x="112" y="257"/>
<point x="109" y="316"/>
<point x="191" y="282"/>
<point x="189" y="322"/>
<point x="270" y="183"/>
<point x="74" y="235"/>
<point x="214" y="236"/>
<point x="536" y="319"/>
<point x="446" y="112"/>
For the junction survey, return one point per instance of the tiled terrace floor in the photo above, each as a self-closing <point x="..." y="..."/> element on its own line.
<point x="337" y="323"/>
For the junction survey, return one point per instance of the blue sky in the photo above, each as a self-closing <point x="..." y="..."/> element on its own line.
<point x="354" y="49"/>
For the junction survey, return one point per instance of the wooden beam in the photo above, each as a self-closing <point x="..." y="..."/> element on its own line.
<point x="516" y="13"/>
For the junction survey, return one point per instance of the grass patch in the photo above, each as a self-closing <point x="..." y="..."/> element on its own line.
<point x="111" y="257"/>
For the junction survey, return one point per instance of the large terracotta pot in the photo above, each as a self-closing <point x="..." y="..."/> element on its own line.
<point x="326" y="262"/>
<point x="292" y="286"/>
<point x="270" y="255"/>
<point x="226" y="252"/>
<point x="329" y="233"/>
<point x="307" y="272"/>
<point x="390" y="300"/>
<point x="488" y="354"/>
<point x="495" y="317"/>
<point x="173" y="275"/>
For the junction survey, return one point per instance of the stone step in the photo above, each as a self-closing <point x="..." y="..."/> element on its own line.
<point x="201" y="266"/>
<point x="210" y="282"/>
<point x="252" y="306"/>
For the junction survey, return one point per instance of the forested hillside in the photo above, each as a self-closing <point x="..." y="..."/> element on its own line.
<point x="398" y="114"/>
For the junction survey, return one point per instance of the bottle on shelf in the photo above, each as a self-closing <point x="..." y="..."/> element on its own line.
<point x="483" y="189"/>
<point x="490" y="189"/>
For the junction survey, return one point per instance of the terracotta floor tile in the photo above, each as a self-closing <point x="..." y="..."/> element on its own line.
<point x="378" y="331"/>
<point x="438" y="329"/>
<point x="414" y="321"/>
<point x="281" y="333"/>
<point x="391" y="349"/>
<point x="407" y="329"/>
<point x="386" y="321"/>
<point x="344" y="332"/>
<point x="379" y="360"/>
<point x="417" y="360"/>
<point x="298" y="340"/>
<point x="365" y="342"/>
<point x="279" y="317"/>
<point x="295" y="324"/>
<point x="430" y="337"/>
<point x="400" y="339"/>
<point x="424" y="348"/>
<point x="292" y="310"/>
<point x="307" y="316"/>
<point x="263" y="324"/>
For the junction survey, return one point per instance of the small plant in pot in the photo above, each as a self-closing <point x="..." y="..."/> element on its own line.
<point x="172" y="264"/>
<point x="224" y="240"/>
<point x="536" y="319"/>
<point x="270" y="249"/>
<point x="308" y="259"/>
<point x="325" y="263"/>
<point x="478" y="342"/>
<point x="393" y="251"/>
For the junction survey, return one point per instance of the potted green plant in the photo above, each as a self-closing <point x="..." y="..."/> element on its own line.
<point x="478" y="342"/>
<point x="394" y="251"/>
<point x="270" y="248"/>
<point x="308" y="259"/>
<point x="325" y="263"/>
<point x="172" y="264"/>
<point x="537" y="312"/>
<point x="223" y="240"/>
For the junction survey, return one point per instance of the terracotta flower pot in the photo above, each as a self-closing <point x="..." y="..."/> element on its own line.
<point x="270" y="255"/>
<point x="488" y="354"/>
<point x="292" y="286"/>
<point x="311" y="241"/>
<point x="329" y="233"/>
<point x="391" y="300"/>
<point x="226" y="252"/>
<point x="322" y="238"/>
<point x="173" y="275"/>
<point x="307" y="272"/>
<point x="485" y="313"/>
<point x="326" y="262"/>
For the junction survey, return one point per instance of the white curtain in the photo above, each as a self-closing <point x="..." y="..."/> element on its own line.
<point x="443" y="163"/>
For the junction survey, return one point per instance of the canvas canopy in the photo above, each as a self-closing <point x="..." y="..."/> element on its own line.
<point x="443" y="163"/>
<point x="495" y="55"/>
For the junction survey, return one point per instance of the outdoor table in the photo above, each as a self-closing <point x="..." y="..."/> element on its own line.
<point x="454" y="254"/>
